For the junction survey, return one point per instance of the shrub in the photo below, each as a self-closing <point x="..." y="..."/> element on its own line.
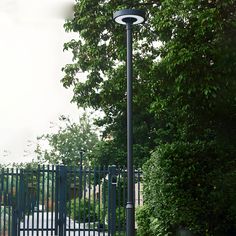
<point x="82" y="209"/>
<point x="120" y="216"/>
<point x="191" y="186"/>
<point x="143" y="218"/>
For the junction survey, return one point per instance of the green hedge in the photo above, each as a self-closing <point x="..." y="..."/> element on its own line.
<point x="189" y="186"/>
<point x="82" y="209"/>
<point x="144" y="219"/>
<point x="86" y="211"/>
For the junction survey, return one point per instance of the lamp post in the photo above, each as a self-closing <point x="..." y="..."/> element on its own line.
<point x="129" y="17"/>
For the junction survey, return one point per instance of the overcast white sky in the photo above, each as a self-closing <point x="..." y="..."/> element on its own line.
<point x="31" y="58"/>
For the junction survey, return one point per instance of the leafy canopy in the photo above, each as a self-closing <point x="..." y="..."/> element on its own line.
<point x="184" y="98"/>
<point x="65" y="145"/>
<point x="184" y="70"/>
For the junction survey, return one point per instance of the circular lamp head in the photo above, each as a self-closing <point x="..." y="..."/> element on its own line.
<point x="129" y="16"/>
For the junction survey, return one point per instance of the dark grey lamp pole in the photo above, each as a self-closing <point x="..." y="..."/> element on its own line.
<point x="129" y="17"/>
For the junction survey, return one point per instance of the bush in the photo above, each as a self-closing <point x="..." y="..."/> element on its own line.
<point x="83" y="209"/>
<point x="190" y="186"/>
<point x="143" y="218"/>
<point x="120" y="217"/>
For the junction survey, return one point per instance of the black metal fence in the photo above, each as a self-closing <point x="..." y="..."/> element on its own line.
<point x="61" y="200"/>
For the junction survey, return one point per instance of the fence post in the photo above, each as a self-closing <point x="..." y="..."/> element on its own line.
<point x="81" y="155"/>
<point x="56" y="199"/>
<point x="62" y="201"/>
<point x="112" y="181"/>
<point x="21" y="202"/>
<point x="14" y="218"/>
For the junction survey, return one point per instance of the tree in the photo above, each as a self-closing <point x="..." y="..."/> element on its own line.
<point x="184" y="88"/>
<point x="100" y="51"/>
<point x="65" y="145"/>
<point x="198" y="69"/>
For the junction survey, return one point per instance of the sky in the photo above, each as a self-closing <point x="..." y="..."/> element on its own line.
<point x="31" y="58"/>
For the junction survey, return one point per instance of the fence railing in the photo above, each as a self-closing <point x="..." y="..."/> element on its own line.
<point x="57" y="200"/>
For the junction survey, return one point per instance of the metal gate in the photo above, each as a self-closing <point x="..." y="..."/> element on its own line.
<point x="61" y="201"/>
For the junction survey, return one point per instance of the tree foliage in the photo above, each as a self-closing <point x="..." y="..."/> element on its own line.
<point x="66" y="144"/>
<point x="183" y="89"/>
<point x="184" y="98"/>
<point x="100" y="51"/>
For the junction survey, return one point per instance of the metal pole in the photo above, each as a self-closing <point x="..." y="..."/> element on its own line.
<point x="80" y="175"/>
<point x="130" y="227"/>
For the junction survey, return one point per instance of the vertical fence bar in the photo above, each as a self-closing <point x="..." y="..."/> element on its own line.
<point x="80" y="190"/>
<point x="94" y="199"/>
<point x="109" y="201"/>
<point x="4" y="217"/>
<point x="119" y="202"/>
<point x="84" y="201"/>
<point x="57" y="199"/>
<point x="31" y="174"/>
<point x="1" y="212"/>
<point x="99" y="200"/>
<point x="42" y="196"/>
<point x="38" y="195"/>
<point x="15" y="210"/>
<point x="33" y="184"/>
<point x="26" y="199"/>
<point x="3" y="201"/>
<point x="12" y="200"/>
<point x="69" y="195"/>
<point x="112" y="182"/>
<point x="8" y="202"/>
<point x="104" y="199"/>
<point x="62" y="201"/>
<point x="52" y="202"/>
<point x="89" y="198"/>
<point x="12" y="179"/>
<point x="30" y="197"/>
<point x="2" y="179"/>
<point x="75" y="196"/>
<point x="7" y="179"/>
<point x="124" y="195"/>
<point x="65" y="199"/>
<point x="47" y="201"/>
<point x="9" y="213"/>
<point x="22" y="201"/>
<point x="17" y="215"/>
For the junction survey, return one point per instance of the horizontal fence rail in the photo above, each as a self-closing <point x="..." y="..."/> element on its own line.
<point x="62" y="200"/>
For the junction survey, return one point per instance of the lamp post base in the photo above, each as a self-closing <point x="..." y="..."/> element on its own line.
<point x="130" y="225"/>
